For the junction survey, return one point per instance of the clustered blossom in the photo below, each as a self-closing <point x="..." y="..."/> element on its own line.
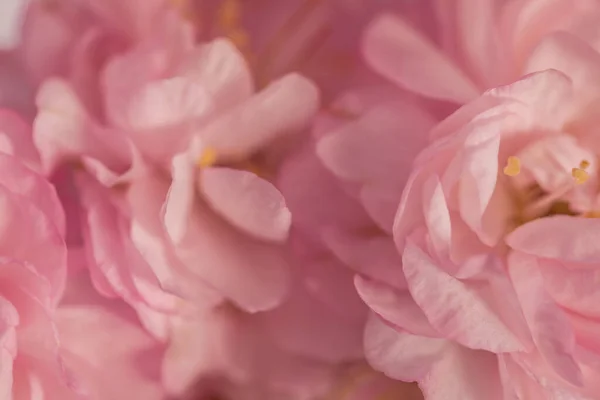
<point x="299" y="199"/>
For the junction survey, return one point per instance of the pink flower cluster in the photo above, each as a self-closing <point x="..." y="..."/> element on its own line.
<point x="299" y="199"/>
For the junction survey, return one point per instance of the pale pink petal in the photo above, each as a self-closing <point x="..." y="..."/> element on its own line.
<point x="399" y="354"/>
<point x="25" y="182"/>
<point x="168" y="102"/>
<point x="247" y="201"/>
<point x="201" y="344"/>
<point x="524" y="23"/>
<point x="147" y="197"/>
<point x="577" y="60"/>
<point x="11" y="17"/>
<point x="251" y="273"/>
<point x="29" y="235"/>
<point x="464" y="375"/>
<point x="563" y="238"/>
<point x="552" y="334"/>
<point x="109" y="369"/>
<point x="374" y="257"/>
<point x="222" y="70"/>
<point x="16" y="137"/>
<point x="573" y="289"/>
<point x="382" y="143"/>
<point x="114" y="260"/>
<point x="437" y="217"/>
<point x="399" y="53"/>
<point x="62" y="129"/>
<point x="394" y="306"/>
<point x="283" y="107"/>
<point x="314" y="195"/>
<point x="477" y="185"/>
<point x="476" y="21"/>
<point x="454" y="307"/>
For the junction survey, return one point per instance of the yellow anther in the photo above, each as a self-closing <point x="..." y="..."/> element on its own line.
<point x="230" y="14"/>
<point x="584" y="164"/>
<point x="208" y="158"/>
<point x="239" y="38"/>
<point x="579" y="175"/>
<point x="592" y="214"/>
<point x="513" y="166"/>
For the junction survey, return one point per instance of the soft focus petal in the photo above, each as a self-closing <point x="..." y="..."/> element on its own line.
<point x="399" y="53"/>
<point x="247" y="201"/>
<point x="398" y="354"/>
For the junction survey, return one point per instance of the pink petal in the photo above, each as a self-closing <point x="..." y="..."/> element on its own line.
<point x="477" y="184"/>
<point x="381" y="202"/>
<point x="464" y="375"/>
<point x="11" y="16"/>
<point x="524" y="24"/>
<point x="23" y="181"/>
<point x="109" y="368"/>
<point x="168" y="102"/>
<point x="304" y="327"/>
<point x="454" y="307"/>
<point x="251" y="273"/>
<point x="314" y="195"/>
<point x="63" y="129"/>
<point x="222" y="70"/>
<point x="16" y="137"/>
<point x="560" y="237"/>
<point x="400" y="355"/>
<point x="437" y="217"/>
<point x="382" y="143"/>
<point x="332" y="284"/>
<point x="402" y="55"/>
<point x="476" y="20"/>
<point x="374" y="257"/>
<point x="550" y="327"/>
<point x="116" y="266"/>
<point x="574" y="289"/>
<point x="282" y="107"/>
<point x="577" y="60"/>
<point x="146" y="197"/>
<point x="29" y="235"/>
<point x="248" y="202"/>
<point x="394" y="306"/>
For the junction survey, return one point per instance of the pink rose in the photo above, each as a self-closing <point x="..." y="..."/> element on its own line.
<point x="496" y="255"/>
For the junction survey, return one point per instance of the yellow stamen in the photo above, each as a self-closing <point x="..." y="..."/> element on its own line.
<point x="584" y="164"/>
<point x="239" y="38"/>
<point x="513" y="166"/>
<point x="592" y="214"/>
<point x="230" y="14"/>
<point x="579" y="175"/>
<point x="208" y="158"/>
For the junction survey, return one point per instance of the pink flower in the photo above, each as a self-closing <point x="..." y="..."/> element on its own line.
<point x="192" y="106"/>
<point x="497" y="248"/>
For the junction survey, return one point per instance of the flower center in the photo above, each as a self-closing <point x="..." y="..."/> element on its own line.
<point x="534" y="202"/>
